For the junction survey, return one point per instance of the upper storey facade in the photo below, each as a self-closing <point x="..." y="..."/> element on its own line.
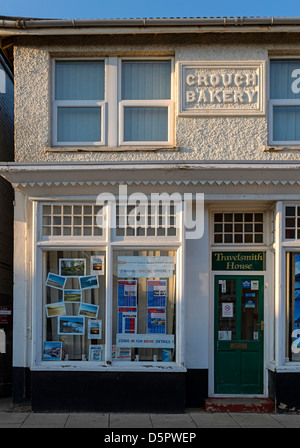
<point x="169" y="90"/>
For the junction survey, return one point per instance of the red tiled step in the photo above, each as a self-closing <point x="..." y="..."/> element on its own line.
<point x="239" y="405"/>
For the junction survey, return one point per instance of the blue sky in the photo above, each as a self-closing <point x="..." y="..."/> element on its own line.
<point x="92" y="9"/>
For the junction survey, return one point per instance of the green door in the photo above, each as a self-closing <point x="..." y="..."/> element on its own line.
<point x="239" y="334"/>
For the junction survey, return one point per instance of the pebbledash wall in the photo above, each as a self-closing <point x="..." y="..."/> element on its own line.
<point x="220" y="143"/>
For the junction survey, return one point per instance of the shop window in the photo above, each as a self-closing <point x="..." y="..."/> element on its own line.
<point x="293" y="307"/>
<point x="144" y="304"/>
<point x="238" y="228"/>
<point x="76" y="306"/>
<point x="285" y="102"/>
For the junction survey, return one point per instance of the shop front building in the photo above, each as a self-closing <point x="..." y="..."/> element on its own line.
<point x="157" y="213"/>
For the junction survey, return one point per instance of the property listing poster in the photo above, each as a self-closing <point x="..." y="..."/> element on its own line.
<point x="127" y="320"/>
<point x="127" y="293"/>
<point x="156" y="306"/>
<point x="156" y="320"/>
<point x="156" y="293"/>
<point x="297" y="293"/>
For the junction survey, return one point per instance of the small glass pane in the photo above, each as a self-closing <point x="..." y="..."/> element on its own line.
<point x="249" y="238"/>
<point x="286" y="123"/>
<point x="290" y="234"/>
<point x="218" y="217"/>
<point x="259" y="238"/>
<point x="218" y="238"/>
<point x="238" y="217"/>
<point x="250" y="299"/>
<point x="227" y="310"/>
<point x="146" y="124"/>
<point x="79" y="124"/>
<point x="290" y="222"/>
<point x="290" y="211"/>
<point x="228" y="217"/>
<point x="281" y="79"/>
<point x="79" y="80"/>
<point x="146" y="80"/>
<point x="228" y="238"/>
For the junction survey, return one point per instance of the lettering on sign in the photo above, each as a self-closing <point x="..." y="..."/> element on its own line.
<point x="222" y="88"/>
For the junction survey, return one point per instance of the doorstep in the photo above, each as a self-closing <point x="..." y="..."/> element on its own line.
<point x="263" y="405"/>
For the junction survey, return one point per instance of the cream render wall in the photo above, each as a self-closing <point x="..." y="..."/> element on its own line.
<point x="197" y="138"/>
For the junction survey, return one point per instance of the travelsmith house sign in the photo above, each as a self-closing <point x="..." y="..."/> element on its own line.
<point x="239" y="261"/>
<point x="222" y="88"/>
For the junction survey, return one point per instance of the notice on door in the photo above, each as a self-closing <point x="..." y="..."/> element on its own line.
<point x="227" y="309"/>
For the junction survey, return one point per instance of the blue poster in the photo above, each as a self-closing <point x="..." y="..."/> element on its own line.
<point x="156" y="320"/>
<point x="127" y="293"/>
<point x="157" y="293"/>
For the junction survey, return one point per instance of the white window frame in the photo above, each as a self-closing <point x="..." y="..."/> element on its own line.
<point x="146" y="103"/>
<point x="108" y="245"/>
<point x="112" y="107"/>
<point x="102" y="104"/>
<point x="280" y="103"/>
<point x="241" y="209"/>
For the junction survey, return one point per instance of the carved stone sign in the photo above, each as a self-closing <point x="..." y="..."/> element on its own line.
<point x="222" y="88"/>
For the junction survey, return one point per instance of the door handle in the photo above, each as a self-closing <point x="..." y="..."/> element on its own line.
<point x="261" y="325"/>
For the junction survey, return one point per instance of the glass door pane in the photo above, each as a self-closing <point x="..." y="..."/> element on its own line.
<point x="249" y="311"/>
<point x="227" y="310"/>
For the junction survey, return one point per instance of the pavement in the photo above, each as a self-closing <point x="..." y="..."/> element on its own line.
<point x="192" y="419"/>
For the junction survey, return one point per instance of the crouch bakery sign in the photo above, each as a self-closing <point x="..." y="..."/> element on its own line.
<point x="222" y="88"/>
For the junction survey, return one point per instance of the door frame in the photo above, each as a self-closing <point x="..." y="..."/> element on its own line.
<point x="211" y="345"/>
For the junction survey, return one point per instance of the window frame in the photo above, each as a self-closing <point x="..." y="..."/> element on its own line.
<point x="112" y="107"/>
<point x="280" y="103"/>
<point x="108" y="245"/>
<point x="239" y="209"/>
<point x="102" y="104"/>
<point x="169" y="104"/>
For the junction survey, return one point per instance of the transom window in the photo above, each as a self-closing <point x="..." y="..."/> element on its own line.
<point x="238" y="228"/>
<point x="73" y="220"/>
<point x="285" y="102"/>
<point x="292" y="222"/>
<point x="112" y="102"/>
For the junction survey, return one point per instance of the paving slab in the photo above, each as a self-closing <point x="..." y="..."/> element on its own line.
<point x="172" y="421"/>
<point x="253" y="420"/>
<point x="44" y="420"/>
<point x="87" y="420"/>
<point x="288" y="420"/>
<point x="213" y="420"/>
<point x="131" y="420"/>
<point x="12" y="418"/>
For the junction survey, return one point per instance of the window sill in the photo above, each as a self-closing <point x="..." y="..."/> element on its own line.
<point x="109" y="149"/>
<point x="121" y="366"/>
<point x="274" y="148"/>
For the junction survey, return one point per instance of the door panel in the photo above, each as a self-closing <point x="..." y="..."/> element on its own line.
<point x="238" y="334"/>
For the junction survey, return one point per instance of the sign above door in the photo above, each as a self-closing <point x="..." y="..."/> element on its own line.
<point x="238" y="261"/>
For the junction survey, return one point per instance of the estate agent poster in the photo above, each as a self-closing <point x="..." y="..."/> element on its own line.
<point x="145" y="267"/>
<point x="127" y="293"/>
<point x="156" y="292"/>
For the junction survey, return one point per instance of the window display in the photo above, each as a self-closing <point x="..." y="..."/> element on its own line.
<point x="144" y="303"/>
<point x="143" y="318"/>
<point x="74" y="306"/>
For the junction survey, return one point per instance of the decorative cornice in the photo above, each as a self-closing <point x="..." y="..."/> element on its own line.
<point x="153" y="182"/>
